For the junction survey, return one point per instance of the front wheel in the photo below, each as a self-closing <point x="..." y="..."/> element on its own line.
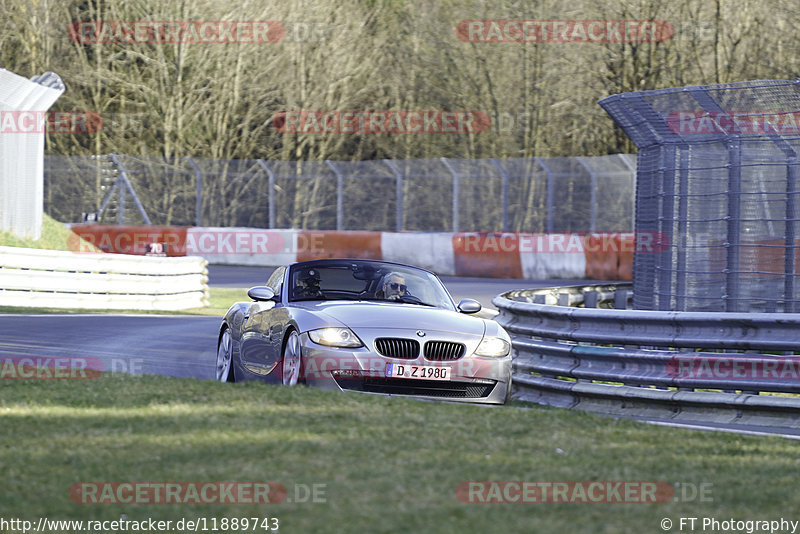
<point x="225" y="358"/>
<point x="291" y="359"/>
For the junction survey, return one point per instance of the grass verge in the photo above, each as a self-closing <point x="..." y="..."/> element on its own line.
<point x="55" y="236"/>
<point x="385" y="464"/>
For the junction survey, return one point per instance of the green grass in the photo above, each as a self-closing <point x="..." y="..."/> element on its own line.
<point x="220" y="299"/>
<point x="55" y="236"/>
<point x="387" y="464"/>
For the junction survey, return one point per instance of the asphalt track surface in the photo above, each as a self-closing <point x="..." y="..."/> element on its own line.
<point x="185" y="346"/>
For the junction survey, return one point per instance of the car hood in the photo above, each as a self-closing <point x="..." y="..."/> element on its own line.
<point x="387" y="315"/>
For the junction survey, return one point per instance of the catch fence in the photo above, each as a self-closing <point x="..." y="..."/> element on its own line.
<point x="514" y="194"/>
<point x="718" y="181"/>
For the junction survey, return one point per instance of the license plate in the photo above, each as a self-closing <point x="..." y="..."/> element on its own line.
<point x="422" y="372"/>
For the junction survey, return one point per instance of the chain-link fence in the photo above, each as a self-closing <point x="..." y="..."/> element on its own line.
<point x="538" y="194"/>
<point x="718" y="181"/>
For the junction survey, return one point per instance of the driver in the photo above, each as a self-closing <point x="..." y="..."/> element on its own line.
<point x="308" y="284"/>
<point x="394" y="286"/>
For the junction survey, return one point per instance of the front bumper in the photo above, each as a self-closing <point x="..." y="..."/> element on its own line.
<point x="473" y="379"/>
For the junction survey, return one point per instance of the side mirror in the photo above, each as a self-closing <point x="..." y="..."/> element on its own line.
<point x="469" y="306"/>
<point x="261" y="293"/>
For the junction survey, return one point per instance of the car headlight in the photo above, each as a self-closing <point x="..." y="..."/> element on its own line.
<point x="493" y="347"/>
<point x="334" y="337"/>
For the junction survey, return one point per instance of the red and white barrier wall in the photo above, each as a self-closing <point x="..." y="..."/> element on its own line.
<point x="604" y="256"/>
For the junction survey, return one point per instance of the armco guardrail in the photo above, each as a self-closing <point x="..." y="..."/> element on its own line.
<point x="735" y="368"/>
<point x="57" y="279"/>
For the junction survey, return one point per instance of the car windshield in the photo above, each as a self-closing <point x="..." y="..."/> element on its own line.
<point x="367" y="281"/>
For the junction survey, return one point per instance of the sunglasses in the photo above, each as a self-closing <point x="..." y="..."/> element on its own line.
<point x="395" y="286"/>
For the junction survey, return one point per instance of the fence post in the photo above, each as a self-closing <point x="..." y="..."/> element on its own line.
<point x="592" y="194"/>
<point x="504" y="176"/>
<point x="683" y="216"/>
<point x="550" y="193"/>
<point x="734" y="220"/>
<point x="398" y="192"/>
<point x="789" y="241"/>
<point x="456" y="190"/>
<point x="666" y="189"/>
<point x="198" y="195"/>
<point x="626" y="160"/>
<point x="271" y="195"/>
<point x="339" y="193"/>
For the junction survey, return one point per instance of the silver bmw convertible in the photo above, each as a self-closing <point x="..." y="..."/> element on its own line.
<point x="364" y="325"/>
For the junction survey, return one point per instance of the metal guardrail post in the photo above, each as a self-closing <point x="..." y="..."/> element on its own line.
<point x="621" y="299"/>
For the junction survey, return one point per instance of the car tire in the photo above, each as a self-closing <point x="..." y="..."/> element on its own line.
<point x="291" y="359"/>
<point x="224" y="367"/>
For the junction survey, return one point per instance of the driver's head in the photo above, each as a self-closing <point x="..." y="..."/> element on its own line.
<point x="394" y="285"/>
<point x="310" y="278"/>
